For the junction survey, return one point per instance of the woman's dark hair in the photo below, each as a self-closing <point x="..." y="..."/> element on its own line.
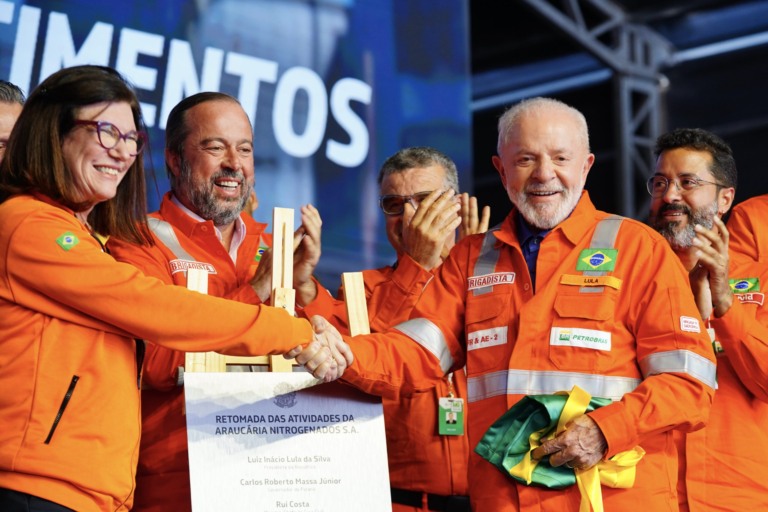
<point x="34" y="162"/>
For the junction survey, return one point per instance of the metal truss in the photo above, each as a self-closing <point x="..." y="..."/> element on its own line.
<point x="635" y="54"/>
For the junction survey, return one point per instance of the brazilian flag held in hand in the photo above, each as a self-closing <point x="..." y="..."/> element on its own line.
<point x="509" y="440"/>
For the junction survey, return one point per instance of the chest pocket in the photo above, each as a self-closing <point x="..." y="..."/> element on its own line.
<point x="592" y="307"/>
<point x="581" y="337"/>
<point x="582" y="334"/>
<point x="488" y="333"/>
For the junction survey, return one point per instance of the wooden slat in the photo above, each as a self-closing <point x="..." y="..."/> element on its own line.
<point x="283" y="296"/>
<point x="197" y="280"/>
<point x="282" y="248"/>
<point x="354" y="299"/>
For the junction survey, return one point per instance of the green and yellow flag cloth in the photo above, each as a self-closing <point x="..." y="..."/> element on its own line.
<point x="508" y="444"/>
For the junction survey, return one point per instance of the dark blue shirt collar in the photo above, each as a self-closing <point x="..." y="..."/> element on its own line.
<point x="525" y="231"/>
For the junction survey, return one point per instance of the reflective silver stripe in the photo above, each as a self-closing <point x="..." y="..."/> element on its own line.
<point x="533" y="382"/>
<point x="681" y="361"/>
<point x="164" y="231"/>
<point x="604" y="237"/>
<point x="429" y="336"/>
<point x="486" y="260"/>
<point x="606" y="231"/>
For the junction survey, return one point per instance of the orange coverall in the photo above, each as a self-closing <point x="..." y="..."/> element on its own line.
<point x="748" y="228"/>
<point x="725" y="467"/>
<point x="481" y="309"/>
<point x="162" y="480"/>
<point x="69" y="364"/>
<point x="419" y="458"/>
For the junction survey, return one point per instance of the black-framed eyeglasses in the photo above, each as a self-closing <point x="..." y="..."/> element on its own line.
<point x="392" y="204"/>
<point x="657" y="185"/>
<point x="109" y="135"/>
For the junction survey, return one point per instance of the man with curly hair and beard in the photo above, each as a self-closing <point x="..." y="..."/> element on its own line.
<point x="692" y="188"/>
<point x="676" y="210"/>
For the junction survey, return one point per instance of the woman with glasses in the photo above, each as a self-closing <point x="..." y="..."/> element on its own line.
<point x="72" y="319"/>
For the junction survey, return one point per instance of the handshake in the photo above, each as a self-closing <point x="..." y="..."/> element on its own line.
<point x="327" y="355"/>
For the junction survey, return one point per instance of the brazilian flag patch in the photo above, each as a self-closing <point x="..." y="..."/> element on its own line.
<point x="261" y="250"/>
<point x="597" y="259"/>
<point x="67" y="240"/>
<point x="748" y="285"/>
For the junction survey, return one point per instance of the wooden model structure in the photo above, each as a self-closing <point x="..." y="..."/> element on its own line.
<point x="283" y="296"/>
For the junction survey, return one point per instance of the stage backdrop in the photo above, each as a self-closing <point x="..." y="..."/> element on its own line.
<point x="332" y="88"/>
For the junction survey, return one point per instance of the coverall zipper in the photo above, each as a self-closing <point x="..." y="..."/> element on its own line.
<point x="63" y="406"/>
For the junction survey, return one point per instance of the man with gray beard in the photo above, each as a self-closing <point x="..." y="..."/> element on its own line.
<point x="201" y="224"/>
<point x="692" y="188"/>
<point x="560" y="297"/>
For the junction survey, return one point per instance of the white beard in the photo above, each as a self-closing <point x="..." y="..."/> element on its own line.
<point x="546" y="216"/>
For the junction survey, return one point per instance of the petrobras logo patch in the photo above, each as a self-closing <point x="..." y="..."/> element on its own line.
<point x="490" y="280"/>
<point x="487" y="338"/>
<point x="689" y="324"/>
<point x="582" y="338"/>
<point x="183" y="265"/>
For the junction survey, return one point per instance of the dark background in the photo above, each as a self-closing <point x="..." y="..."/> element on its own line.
<point x="517" y="52"/>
